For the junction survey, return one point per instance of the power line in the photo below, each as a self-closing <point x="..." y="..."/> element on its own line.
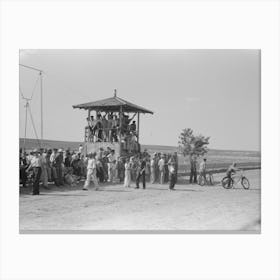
<point x="34" y="128"/>
<point x="33" y="68"/>
<point x="40" y="76"/>
<point x="35" y="86"/>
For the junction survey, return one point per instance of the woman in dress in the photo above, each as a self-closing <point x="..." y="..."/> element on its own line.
<point x="128" y="167"/>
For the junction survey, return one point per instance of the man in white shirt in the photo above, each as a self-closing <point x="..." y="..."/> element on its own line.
<point x="91" y="172"/>
<point x="153" y="169"/>
<point x="202" y="168"/>
<point x="172" y="175"/>
<point x="36" y="165"/>
<point x="161" y="165"/>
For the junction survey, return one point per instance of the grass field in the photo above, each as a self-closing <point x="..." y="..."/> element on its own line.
<point x="216" y="159"/>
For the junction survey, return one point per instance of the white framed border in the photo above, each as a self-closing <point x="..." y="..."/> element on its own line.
<point x="154" y="24"/>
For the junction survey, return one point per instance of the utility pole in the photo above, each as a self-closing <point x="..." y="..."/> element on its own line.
<point x="42" y="127"/>
<point x="26" y="109"/>
<point x="41" y="89"/>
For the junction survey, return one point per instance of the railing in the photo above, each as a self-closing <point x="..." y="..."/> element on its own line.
<point x="108" y="135"/>
<point x="128" y="143"/>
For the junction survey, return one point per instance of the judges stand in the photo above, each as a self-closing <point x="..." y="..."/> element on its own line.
<point x="111" y="124"/>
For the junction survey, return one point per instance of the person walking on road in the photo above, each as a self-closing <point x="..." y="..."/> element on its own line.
<point x="91" y="172"/>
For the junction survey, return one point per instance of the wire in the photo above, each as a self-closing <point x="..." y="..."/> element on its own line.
<point x="36" y="83"/>
<point x="33" y="125"/>
<point x="20" y="90"/>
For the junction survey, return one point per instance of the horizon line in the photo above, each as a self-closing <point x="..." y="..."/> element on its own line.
<point x="228" y="149"/>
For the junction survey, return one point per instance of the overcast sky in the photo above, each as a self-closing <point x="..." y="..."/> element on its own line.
<point x="214" y="92"/>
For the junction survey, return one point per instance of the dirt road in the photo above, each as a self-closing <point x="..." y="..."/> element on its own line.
<point x="189" y="207"/>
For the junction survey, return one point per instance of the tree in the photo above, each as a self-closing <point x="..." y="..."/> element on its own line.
<point x="189" y="144"/>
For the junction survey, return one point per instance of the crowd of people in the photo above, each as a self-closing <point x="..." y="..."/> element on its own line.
<point x="64" y="167"/>
<point x="112" y="127"/>
<point x="60" y="167"/>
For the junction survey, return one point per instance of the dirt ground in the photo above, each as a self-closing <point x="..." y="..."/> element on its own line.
<point x="113" y="207"/>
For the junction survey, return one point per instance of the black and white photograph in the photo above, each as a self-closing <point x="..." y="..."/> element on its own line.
<point x="140" y="140"/>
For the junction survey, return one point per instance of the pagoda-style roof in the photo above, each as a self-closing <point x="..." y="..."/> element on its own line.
<point x="113" y="104"/>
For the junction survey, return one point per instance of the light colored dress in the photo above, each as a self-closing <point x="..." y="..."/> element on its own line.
<point x="127" y="178"/>
<point x="91" y="174"/>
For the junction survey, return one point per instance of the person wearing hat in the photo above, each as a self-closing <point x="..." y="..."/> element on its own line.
<point x="36" y="165"/>
<point x="58" y="165"/>
<point x="133" y="127"/>
<point x="53" y="167"/>
<point x="44" y="174"/>
<point x="141" y="172"/>
<point x="202" y="169"/>
<point x="231" y="171"/>
<point x="23" y="167"/>
<point x="48" y="163"/>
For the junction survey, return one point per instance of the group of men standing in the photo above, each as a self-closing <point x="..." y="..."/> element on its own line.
<point x="134" y="168"/>
<point x="46" y="165"/>
<point x="193" y="167"/>
<point x="103" y="166"/>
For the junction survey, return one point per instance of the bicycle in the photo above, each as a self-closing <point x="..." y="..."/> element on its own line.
<point x="209" y="179"/>
<point x="229" y="182"/>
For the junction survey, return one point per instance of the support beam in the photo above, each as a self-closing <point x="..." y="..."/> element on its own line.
<point x="121" y="121"/>
<point x="42" y="127"/>
<point x="138" y="124"/>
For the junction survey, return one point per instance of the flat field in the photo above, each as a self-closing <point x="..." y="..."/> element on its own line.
<point x="189" y="208"/>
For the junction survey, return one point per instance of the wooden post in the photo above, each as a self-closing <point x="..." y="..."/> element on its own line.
<point x="138" y="124"/>
<point x="120" y="143"/>
<point x="42" y="129"/>
<point x="87" y="130"/>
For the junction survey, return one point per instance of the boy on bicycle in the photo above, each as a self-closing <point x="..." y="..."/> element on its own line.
<point x="232" y="170"/>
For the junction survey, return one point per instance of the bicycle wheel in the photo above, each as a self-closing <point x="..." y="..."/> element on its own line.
<point x="227" y="183"/>
<point x="210" y="179"/>
<point x="245" y="183"/>
<point x="201" y="180"/>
